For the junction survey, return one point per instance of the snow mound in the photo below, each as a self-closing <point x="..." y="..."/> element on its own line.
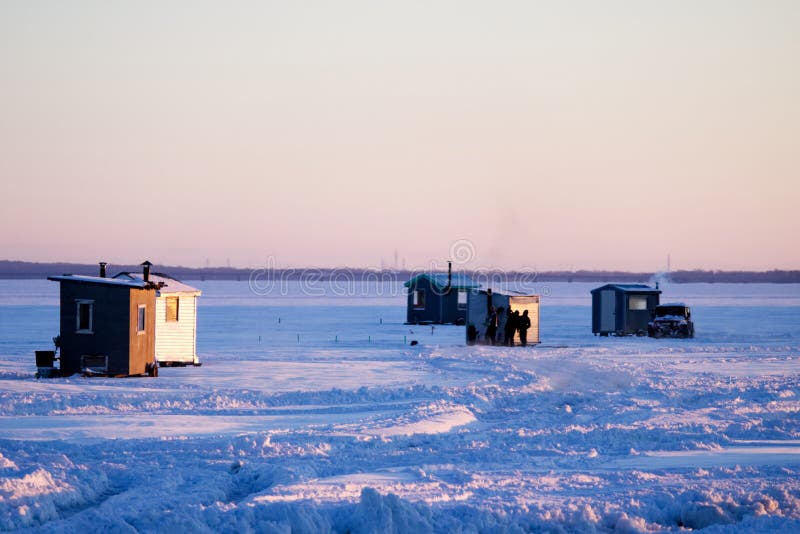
<point x="435" y="418"/>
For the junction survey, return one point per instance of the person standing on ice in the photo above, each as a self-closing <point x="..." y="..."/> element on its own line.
<point x="510" y="328"/>
<point x="523" y="325"/>
<point x="491" y="326"/>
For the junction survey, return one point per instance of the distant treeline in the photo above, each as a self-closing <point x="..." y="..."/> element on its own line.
<point x="680" y="277"/>
<point x="32" y="270"/>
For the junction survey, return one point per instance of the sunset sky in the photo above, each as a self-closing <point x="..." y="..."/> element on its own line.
<point x="554" y="135"/>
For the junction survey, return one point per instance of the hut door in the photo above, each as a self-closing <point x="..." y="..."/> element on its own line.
<point x="608" y="308"/>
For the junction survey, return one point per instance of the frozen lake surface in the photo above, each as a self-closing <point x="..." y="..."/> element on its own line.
<point x="312" y="413"/>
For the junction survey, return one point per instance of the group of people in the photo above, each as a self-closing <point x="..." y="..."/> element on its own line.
<point x="514" y="323"/>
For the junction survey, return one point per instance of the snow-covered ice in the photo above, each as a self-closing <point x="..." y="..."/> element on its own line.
<point x="311" y="413"/>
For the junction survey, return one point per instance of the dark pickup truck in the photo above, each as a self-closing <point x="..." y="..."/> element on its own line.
<point x="671" y="320"/>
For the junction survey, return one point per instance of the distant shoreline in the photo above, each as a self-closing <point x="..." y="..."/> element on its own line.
<point x="23" y="270"/>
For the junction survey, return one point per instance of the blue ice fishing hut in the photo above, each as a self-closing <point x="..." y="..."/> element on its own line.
<point x="438" y="298"/>
<point x="623" y="309"/>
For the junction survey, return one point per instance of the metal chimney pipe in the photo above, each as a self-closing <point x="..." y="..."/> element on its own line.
<point x="103" y="269"/>
<point x="449" y="274"/>
<point x="146" y="270"/>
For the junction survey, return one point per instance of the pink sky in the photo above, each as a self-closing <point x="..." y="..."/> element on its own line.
<point x="549" y="135"/>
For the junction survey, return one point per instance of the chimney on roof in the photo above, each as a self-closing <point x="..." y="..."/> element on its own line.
<point x="103" y="269"/>
<point x="449" y="274"/>
<point x="146" y="270"/>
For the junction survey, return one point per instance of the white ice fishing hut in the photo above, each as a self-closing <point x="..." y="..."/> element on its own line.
<point x="480" y="301"/>
<point x="176" y="320"/>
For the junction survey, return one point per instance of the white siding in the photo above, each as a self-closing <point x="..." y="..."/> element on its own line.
<point x="477" y="313"/>
<point x="175" y="341"/>
<point x="476" y="310"/>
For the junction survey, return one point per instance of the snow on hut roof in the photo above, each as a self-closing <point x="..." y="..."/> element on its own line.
<point x="505" y="293"/>
<point x="98" y="280"/>
<point x="635" y="288"/>
<point x="459" y="281"/>
<point x="171" y="285"/>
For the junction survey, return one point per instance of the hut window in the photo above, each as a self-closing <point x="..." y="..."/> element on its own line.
<point x="84" y="312"/>
<point x="462" y="299"/>
<point x="419" y="299"/>
<point x="141" y="319"/>
<point x="637" y="303"/>
<point x="172" y="309"/>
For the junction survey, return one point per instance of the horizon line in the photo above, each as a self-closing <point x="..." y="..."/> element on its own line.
<point x="460" y="267"/>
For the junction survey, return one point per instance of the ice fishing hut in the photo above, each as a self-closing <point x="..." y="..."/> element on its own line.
<point x="107" y="325"/>
<point x="438" y="298"/>
<point x="479" y="303"/>
<point x="176" y="319"/>
<point x="623" y="309"/>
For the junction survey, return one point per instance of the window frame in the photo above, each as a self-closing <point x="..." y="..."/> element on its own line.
<point x="418" y="299"/>
<point x="639" y="299"/>
<point x="141" y="319"/>
<point x="177" y="301"/>
<point x="78" y="304"/>
<point x="462" y="305"/>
